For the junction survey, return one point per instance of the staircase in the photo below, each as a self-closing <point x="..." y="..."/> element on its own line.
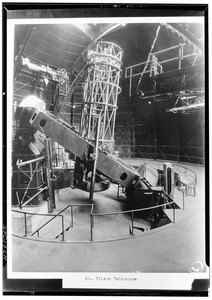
<point x="70" y="228"/>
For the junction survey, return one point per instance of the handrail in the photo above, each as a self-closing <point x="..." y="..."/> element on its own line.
<point x="180" y="46"/>
<point x="152" y="172"/>
<point x="134" y="210"/>
<point x="168" y="49"/>
<point x="72" y="214"/>
<point x="187" y="169"/>
<point x="39" y="214"/>
<point x="27" y="162"/>
<point x="158" y="63"/>
<point x="59" y="215"/>
<point x="92" y="215"/>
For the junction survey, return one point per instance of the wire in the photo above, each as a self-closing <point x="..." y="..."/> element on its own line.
<point x="28" y="83"/>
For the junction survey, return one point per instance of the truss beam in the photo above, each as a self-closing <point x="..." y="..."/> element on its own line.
<point x="101" y="90"/>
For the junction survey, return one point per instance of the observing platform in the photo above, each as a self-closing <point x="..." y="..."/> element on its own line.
<point x="114" y="248"/>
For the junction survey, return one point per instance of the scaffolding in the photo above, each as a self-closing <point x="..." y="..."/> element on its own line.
<point x="177" y="58"/>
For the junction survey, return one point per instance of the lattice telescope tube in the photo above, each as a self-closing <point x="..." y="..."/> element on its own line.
<point x="101" y="89"/>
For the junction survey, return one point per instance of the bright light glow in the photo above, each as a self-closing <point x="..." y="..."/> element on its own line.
<point x="33" y="101"/>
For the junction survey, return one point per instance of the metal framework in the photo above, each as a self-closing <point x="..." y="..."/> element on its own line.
<point x="101" y="89"/>
<point x="31" y="175"/>
<point x="59" y="75"/>
<point x="157" y="66"/>
<point x="29" y="169"/>
<point x="187" y="104"/>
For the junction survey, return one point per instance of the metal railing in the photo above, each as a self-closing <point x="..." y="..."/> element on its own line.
<point x="59" y="214"/>
<point x="154" y="173"/>
<point x="156" y="66"/>
<point x="132" y="212"/>
<point x="189" y="175"/>
<point x="72" y="214"/>
<point x="178" y="58"/>
<point x="37" y="214"/>
<point x="168" y="201"/>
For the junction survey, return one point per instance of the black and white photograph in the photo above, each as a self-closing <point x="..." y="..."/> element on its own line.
<point x="106" y="111"/>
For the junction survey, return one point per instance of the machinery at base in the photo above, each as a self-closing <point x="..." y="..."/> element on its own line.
<point x="109" y="167"/>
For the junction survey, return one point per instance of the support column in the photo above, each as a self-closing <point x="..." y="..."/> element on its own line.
<point x="133" y="130"/>
<point x="56" y="99"/>
<point x="180" y="129"/>
<point x="72" y="110"/>
<point x="51" y="200"/>
<point x="95" y="156"/>
<point x="19" y="188"/>
<point x="155" y="130"/>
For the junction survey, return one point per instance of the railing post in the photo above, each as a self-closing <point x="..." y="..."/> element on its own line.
<point x="195" y="182"/>
<point x="183" y="200"/>
<point x="19" y="189"/>
<point x="95" y="156"/>
<point x="132" y="233"/>
<point x="174" y="213"/>
<point x="25" y="224"/>
<point x="38" y="233"/>
<point x="63" y="237"/>
<point x="72" y="217"/>
<point x="194" y="190"/>
<point x="164" y="201"/>
<point x="92" y="221"/>
<point x="91" y="226"/>
<point x="186" y="189"/>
